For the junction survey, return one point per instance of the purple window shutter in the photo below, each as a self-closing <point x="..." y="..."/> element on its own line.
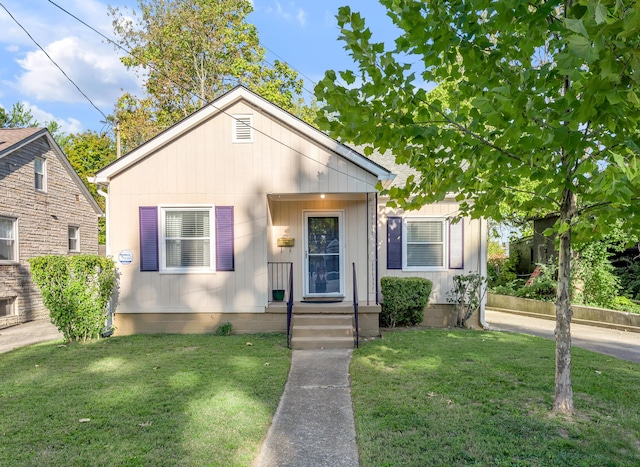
<point x="456" y="245"/>
<point x="394" y="242"/>
<point x="224" y="238"/>
<point x="148" y="238"/>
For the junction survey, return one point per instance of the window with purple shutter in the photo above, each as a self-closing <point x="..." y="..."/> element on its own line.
<point x="394" y="242"/>
<point x="224" y="238"/>
<point x="148" y="238"/>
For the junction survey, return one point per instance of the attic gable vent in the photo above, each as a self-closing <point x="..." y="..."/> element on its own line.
<point x="242" y="128"/>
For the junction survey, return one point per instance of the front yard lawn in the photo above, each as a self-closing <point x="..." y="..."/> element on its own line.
<point x="141" y="400"/>
<point x="442" y="397"/>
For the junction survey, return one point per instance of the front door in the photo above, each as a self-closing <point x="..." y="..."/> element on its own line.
<point x="324" y="253"/>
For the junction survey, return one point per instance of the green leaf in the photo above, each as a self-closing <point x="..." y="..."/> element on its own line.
<point x="348" y="76"/>
<point x="576" y="25"/>
<point x="601" y="13"/>
<point x="564" y="226"/>
<point x="582" y="48"/>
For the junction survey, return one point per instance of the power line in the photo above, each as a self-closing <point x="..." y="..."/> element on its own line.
<point x="111" y="41"/>
<point x="193" y="94"/>
<point x="53" y="61"/>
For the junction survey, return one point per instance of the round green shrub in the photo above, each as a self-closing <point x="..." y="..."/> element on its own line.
<point x="405" y="299"/>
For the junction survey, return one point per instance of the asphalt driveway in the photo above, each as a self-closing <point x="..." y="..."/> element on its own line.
<point x="27" y="334"/>
<point x="619" y="344"/>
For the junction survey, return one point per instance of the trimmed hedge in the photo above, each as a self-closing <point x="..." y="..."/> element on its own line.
<point x="404" y="300"/>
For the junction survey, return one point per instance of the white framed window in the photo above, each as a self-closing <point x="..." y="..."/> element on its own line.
<point x="8" y="240"/>
<point x="242" y="125"/>
<point x="424" y="243"/>
<point x="40" y="173"/>
<point x="74" y="238"/>
<point x="187" y="238"/>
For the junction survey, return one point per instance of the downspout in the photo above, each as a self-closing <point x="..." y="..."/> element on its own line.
<point x="109" y="322"/>
<point x="482" y="266"/>
<point x="105" y="195"/>
<point x="368" y="233"/>
<point x="376" y="249"/>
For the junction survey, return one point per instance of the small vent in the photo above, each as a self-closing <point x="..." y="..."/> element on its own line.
<point x="243" y="128"/>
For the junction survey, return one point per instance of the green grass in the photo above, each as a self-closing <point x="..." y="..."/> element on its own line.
<point x="151" y="400"/>
<point x="441" y="397"/>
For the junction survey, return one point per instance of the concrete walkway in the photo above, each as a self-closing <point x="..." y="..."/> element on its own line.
<point x="313" y="425"/>
<point x="27" y="334"/>
<point x="619" y="344"/>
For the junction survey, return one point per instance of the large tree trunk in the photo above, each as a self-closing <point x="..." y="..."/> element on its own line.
<point x="564" y="391"/>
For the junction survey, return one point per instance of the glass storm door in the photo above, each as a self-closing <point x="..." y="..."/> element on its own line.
<point x="323" y="254"/>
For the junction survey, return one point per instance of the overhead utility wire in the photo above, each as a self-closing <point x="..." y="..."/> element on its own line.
<point x="184" y="88"/>
<point x="299" y="72"/>
<point x="53" y="61"/>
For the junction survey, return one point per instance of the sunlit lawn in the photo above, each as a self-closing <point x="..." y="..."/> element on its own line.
<point x="142" y="400"/>
<point x="440" y="397"/>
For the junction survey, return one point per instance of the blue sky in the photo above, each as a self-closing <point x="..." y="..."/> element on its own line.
<point x="301" y="32"/>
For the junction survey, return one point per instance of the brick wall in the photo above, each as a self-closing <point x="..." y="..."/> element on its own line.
<point x="42" y="222"/>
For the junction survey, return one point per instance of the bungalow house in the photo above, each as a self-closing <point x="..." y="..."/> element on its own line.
<point x="242" y="205"/>
<point x="44" y="209"/>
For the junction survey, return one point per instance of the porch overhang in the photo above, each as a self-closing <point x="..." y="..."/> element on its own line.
<point x="317" y="196"/>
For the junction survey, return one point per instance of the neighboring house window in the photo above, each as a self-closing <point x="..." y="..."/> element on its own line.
<point x="74" y="238"/>
<point x="6" y="306"/>
<point x="187" y="240"/>
<point x="8" y="240"/>
<point x="40" y="173"/>
<point x="242" y="128"/>
<point x="424" y="243"/>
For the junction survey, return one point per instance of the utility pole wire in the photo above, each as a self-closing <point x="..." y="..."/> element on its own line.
<point x="128" y="52"/>
<point x="210" y="104"/>
<point x="53" y="61"/>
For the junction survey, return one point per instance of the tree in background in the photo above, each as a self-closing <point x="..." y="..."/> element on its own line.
<point x="189" y="52"/>
<point x="21" y="117"/>
<point x="89" y="152"/>
<point x="547" y="92"/>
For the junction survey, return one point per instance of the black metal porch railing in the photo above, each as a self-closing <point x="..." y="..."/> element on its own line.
<point x="281" y="284"/>
<point x="355" y="305"/>
<point x="290" y="305"/>
<point x="279" y="273"/>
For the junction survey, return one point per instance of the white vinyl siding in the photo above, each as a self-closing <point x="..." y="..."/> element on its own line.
<point x="424" y="243"/>
<point x="40" y="174"/>
<point x="8" y="240"/>
<point x="74" y="238"/>
<point x="187" y="239"/>
<point x="242" y="128"/>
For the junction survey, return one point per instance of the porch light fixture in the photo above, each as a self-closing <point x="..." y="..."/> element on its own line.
<point x="322" y="195"/>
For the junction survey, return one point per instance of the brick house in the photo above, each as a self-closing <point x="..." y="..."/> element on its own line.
<point x="44" y="209"/>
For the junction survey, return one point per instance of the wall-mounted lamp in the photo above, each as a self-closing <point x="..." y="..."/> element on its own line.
<point x="322" y="195"/>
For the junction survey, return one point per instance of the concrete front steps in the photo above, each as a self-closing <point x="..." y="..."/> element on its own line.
<point x="322" y="331"/>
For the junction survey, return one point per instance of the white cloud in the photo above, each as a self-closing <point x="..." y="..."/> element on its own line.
<point x="301" y="17"/>
<point x="98" y="74"/>
<point x="290" y="13"/>
<point x="70" y="125"/>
